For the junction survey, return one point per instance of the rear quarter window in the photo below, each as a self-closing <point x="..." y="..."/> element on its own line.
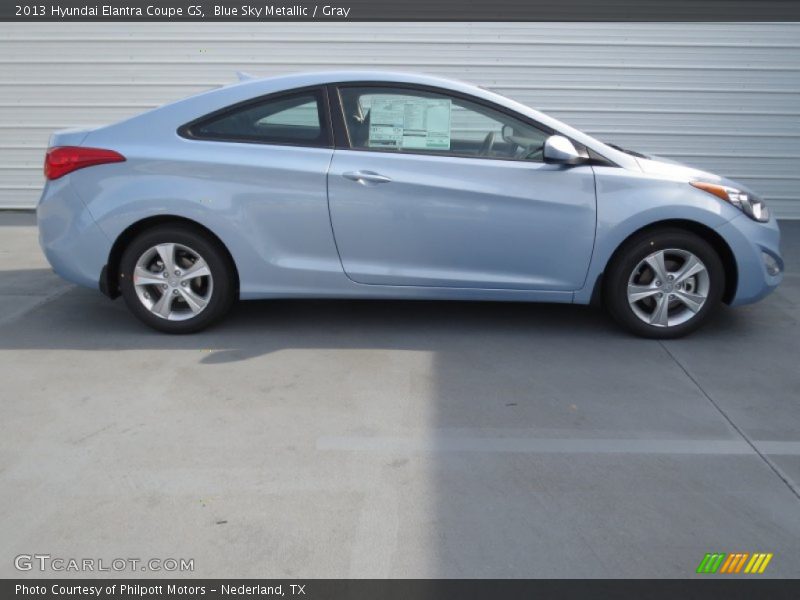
<point x="289" y="119"/>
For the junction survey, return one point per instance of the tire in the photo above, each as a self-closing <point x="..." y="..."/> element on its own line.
<point x="186" y="298"/>
<point x="640" y="301"/>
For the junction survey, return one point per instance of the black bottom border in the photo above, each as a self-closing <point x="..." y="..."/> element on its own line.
<point x="405" y="589"/>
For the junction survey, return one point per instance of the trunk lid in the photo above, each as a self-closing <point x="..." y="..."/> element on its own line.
<point x="68" y="137"/>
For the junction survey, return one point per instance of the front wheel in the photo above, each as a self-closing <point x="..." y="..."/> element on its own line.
<point x="176" y="279"/>
<point x="664" y="283"/>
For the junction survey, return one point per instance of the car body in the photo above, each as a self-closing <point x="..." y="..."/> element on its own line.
<point x="337" y="217"/>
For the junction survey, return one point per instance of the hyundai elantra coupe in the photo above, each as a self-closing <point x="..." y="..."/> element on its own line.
<point x="387" y="185"/>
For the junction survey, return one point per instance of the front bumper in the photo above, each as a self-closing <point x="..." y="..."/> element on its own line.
<point x="74" y="245"/>
<point x="754" y="246"/>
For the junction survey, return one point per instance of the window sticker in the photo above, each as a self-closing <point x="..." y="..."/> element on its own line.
<point x="410" y="123"/>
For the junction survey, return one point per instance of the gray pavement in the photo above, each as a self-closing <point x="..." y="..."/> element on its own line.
<point x="394" y="439"/>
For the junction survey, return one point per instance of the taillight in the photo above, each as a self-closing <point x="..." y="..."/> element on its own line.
<point x="64" y="159"/>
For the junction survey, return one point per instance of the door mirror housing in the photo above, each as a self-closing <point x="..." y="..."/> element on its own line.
<point x="560" y="150"/>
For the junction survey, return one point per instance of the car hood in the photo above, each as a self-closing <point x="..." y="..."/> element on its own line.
<point x="657" y="165"/>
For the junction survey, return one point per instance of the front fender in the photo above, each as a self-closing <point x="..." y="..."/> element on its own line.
<point x="628" y="202"/>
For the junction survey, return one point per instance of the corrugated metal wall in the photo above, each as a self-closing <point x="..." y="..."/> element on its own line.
<point x="725" y="97"/>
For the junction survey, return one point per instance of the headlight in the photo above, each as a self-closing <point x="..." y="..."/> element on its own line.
<point x="753" y="206"/>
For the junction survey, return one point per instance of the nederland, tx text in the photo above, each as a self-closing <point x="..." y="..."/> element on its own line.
<point x="267" y="11"/>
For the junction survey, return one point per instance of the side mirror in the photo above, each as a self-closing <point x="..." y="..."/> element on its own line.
<point x="559" y="150"/>
<point x="507" y="132"/>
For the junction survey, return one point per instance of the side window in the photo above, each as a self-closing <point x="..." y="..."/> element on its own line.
<point x="407" y="120"/>
<point x="295" y="119"/>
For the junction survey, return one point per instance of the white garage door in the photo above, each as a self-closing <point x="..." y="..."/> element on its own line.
<point x="724" y="97"/>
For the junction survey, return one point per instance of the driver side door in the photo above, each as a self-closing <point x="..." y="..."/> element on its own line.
<point x="437" y="190"/>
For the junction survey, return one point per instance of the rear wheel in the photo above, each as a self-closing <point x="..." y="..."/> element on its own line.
<point x="664" y="283"/>
<point x="176" y="279"/>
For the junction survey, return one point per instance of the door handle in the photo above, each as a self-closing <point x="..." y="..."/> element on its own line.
<point x="366" y="177"/>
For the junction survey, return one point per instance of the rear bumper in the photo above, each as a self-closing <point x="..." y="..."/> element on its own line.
<point x="751" y="243"/>
<point x="74" y="245"/>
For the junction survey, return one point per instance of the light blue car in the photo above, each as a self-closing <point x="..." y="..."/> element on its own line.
<point x="388" y="185"/>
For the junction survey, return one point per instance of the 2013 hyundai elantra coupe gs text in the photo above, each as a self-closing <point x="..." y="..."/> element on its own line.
<point x="387" y="185"/>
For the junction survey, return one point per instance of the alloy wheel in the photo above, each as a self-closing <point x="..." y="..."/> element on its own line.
<point x="668" y="287"/>
<point x="173" y="281"/>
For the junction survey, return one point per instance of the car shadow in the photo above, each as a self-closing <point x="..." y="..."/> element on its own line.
<point x="82" y="319"/>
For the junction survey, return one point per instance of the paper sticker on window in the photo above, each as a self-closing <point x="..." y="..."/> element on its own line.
<point x="410" y="123"/>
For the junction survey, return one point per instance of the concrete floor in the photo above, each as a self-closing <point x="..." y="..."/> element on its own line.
<point x="394" y="439"/>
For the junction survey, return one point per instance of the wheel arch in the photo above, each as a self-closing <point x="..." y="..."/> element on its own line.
<point x="109" y="278"/>
<point x="705" y="232"/>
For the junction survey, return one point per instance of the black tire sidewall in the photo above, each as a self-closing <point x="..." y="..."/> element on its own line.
<point x="636" y="249"/>
<point x="221" y="271"/>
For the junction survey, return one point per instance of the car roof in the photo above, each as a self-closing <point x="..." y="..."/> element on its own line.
<point x="262" y="85"/>
<point x="337" y="76"/>
<point x="332" y="77"/>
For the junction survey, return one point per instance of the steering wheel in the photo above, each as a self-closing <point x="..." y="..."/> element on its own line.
<point x="535" y="154"/>
<point x="488" y="142"/>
